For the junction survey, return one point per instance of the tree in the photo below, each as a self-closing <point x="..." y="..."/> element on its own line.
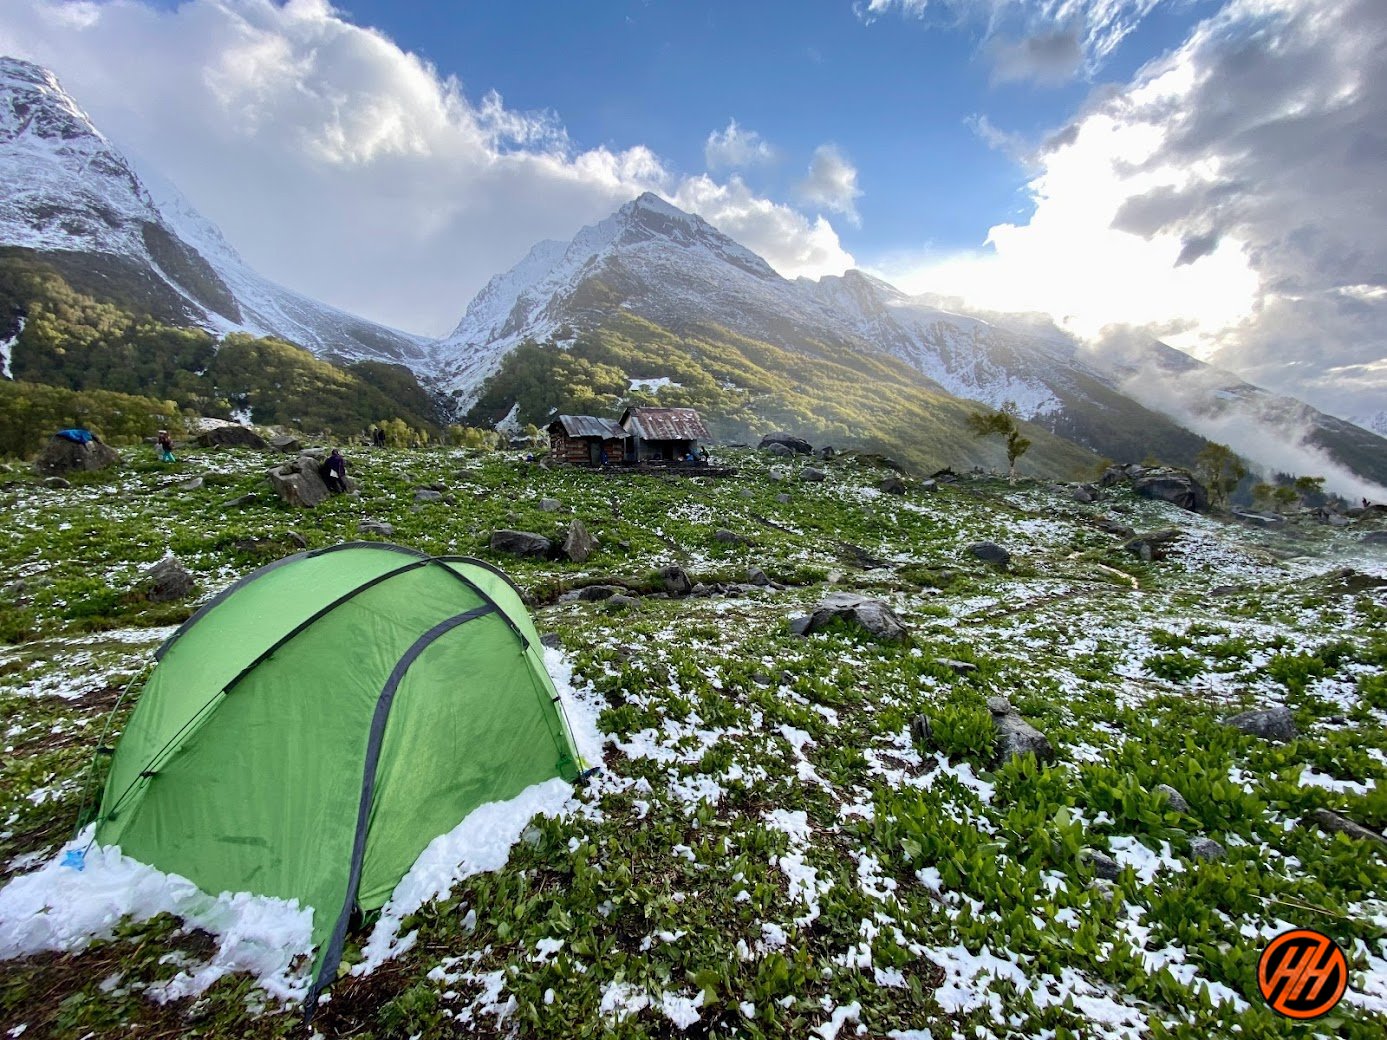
<point x="1311" y="491"/>
<point x="1220" y="470"/>
<point x="984" y="424"/>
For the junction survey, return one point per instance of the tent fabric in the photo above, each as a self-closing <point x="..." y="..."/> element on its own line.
<point x="309" y="731"/>
<point x="77" y="435"/>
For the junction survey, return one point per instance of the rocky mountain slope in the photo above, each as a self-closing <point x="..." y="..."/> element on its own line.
<point x="792" y="835"/>
<point x="74" y="201"/>
<point x="678" y="272"/>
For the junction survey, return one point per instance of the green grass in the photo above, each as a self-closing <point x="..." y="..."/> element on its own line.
<point x="924" y="855"/>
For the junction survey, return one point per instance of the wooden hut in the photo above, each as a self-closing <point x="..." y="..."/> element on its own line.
<point x="580" y="440"/>
<point x="662" y="434"/>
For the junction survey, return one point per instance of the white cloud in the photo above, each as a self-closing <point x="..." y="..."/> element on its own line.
<point x="1046" y="41"/>
<point x="1230" y="197"/>
<point x="341" y="165"/>
<point x="831" y="183"/>
<point x="789" y="242"/>
<point x="736" y="148"/>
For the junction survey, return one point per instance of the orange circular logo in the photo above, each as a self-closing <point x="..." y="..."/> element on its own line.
<point x="1302" y="974"/>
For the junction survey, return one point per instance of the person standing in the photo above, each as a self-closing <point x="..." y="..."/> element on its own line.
<point x="335" y="472"/>
<point x="164" y="444"/>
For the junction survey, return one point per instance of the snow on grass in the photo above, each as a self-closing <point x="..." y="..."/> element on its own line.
<point x="481" y="842"/>
<point x="62" y="908"/>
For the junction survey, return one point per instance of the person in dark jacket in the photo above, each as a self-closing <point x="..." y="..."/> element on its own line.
<point x="164" y="444"/>
<point x="334" y="472"/>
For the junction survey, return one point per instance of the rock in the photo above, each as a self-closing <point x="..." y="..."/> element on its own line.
<point x="578" y="544"/>
<point x="779" y="473"/>
<point x="1154" y="545"/>
<point x="727" y="537"/>
<point x="701" y="589"/>
<point x="1374" y="538"/>
<point x="893" y="486"/>
<point x="285" y="443"/>
<point x="1173" y="798"/>
<point x="166" y="581"/>
<point x="550" y="505"/>
<point x="1207" y="849"/>
<point x="1267" y="723"/>
<point x="1114" y="527"/>
<point x="782" y="498"/>
<point x="1085" y="494"/>
<point x="757" y="576"/>
<point x="594" y="593"/>
<point x="795" y="444"/>
<point x="1103" y="865"/>
<point x="1335" y="520"/>
<point x="621" y="602"/>
<point x="998" y="705"/>
<point x="876" y="617"/>
<point x="379" y="527"/>
<point x="57" y="483"/>
<point x="1227" y="590"/>
<point x="1332" y="822"/>
<point x="232" y="437"/>
<point x="929" y="485"/>
<point x="1265" y="520"/>
<point x="745" y="493"/>
<point x="1173" y="485"/>
<point x="812" y="474"/>
<point x="61" y="455"/>
<point x="195" y="484"/>
<point x="675" y="580"/>
<point x="427" y="495"/>
<point x="920" y="730"/>
<point x="1016" y="736"/>
<point x="298" y="482"/>
<point x="826" y="452"/>
<point x="957" y="667"/>
<point x="296" y="539"/>
<point x="551" y="640"/>
<point x="990" y="552"/>
<point x="778" y="450"/>
<point x="799" y="626"/>
<point x="520" y="543"/>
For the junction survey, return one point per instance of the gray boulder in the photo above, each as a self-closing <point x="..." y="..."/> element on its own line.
<point x="1173" y="798"/>
<point x="1111" y="526"/>
<point x="298" y="482"/>
<point x="1175" y="486"/>
<point x="1333" y="823"/>
<point x="795" y="444"/>
<point x="957" y="667"/>
<point x="727" y="537"/>
<point x="379" y="527"/>
<point x="620" y="602"/>
<point x="1103" y="865"/>
<point x="192" y="484"/>
<point x="1153" y="545"/>
<point x="166" y="581"/>
<point x="578" y="543"/>
<point x="779" y="450"/>
<point x="1267" y="723"/>
<point x="521" y="543"/>
<point x="594" y="593"/>
<point x="286" y="443"/>
<point x="232" y="437"/>
<point x="811" y="474"/>
<point x="870" y="614"/>
<point x="61" y="455"/>
<point x="893" y="486"/>
<point x="1016" y="736"/>
<point x="990" y="552"/>
<point x="756" y="576"/>
<point x="1207" y="849"/>
<point x="826" y="452"/>
<point x="550" y="505"/>
<point x="427" y="495"/>
<point x="1265" y="520"/>
<point x="675" y="580"/>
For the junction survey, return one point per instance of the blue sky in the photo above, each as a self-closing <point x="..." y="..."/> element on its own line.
<point x="1206" y="171"/>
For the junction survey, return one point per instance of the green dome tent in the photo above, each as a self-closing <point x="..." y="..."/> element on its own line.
<point x="310" y="730"/>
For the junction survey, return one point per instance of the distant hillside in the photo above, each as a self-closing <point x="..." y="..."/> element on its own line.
<point x="79" y="340"/>
<point x="746" y="387"/>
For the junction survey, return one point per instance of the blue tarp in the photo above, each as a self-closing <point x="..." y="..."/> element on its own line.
<point x="77" y="436"/>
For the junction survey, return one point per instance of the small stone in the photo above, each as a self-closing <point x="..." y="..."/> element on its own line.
<point x="782" y="498"/>
<point x="1173" y="798"/>
<point x="999" y="706"/>
<point x="57" y="483"/>
<point x="799" y="626"/>
<point x="727" y="537"/>
<point x="578" y="543"/>
<point x="521" y="543"/>
<point x="166" y="581"/>
<point x="1269" y="724"/>
<point x="195" y="484"/>
<point x="550" y="505"/>
<point x="757" y="576"/>
<point x="1332" y="822"/>
<point x="812" y="474"/>
<point x="1207" y="849"/>
<point x="920" y="730"/>
<point x="1104" y="866"/>
<point x="621" y="602"/>
<point x="957" y="667"/>
<point x="990" y="552"/>
<point x="594" y="593"/>
<point x="676" y="581"/>
<point x="551" y="640"/>
<point x="379" y="527"/>
<point x="427" y="495"/>
<point x="892" y="486"/>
